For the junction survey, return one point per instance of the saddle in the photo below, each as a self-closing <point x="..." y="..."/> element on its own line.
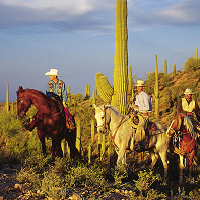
<point x="150" y="128"/>
<point x="69" y="120"/>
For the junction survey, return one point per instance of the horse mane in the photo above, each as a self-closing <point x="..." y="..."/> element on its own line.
<point x="115" y="110"/>
<point x="187" y="122"/>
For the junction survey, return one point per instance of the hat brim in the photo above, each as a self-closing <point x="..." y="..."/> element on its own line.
<point x="140" y="85"/>
<point x="188" y="93"/>
<point x="49" y="74"/>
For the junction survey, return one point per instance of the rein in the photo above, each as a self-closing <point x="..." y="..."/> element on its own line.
<point x="112" y="137"/>
<point x="38" y="116"/>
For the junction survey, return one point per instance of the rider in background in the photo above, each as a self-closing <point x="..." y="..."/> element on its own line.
<point x="143" y="105"/>
<point x="56" y="86"/>
<point x="190" y="107"/>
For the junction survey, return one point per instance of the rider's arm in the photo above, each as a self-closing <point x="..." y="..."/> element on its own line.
<point x="197" y="111"/>
<point x="47" y="88"/>
<point x="64" y="93"/>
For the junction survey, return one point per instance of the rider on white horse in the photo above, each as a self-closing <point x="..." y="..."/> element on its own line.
<point x="143" y="105"/>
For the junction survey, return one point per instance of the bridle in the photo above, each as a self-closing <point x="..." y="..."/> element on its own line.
<point x="38" y="116"/>
<point x="172" y="130"/>
<point x="104" y="125"/>
<point x="22" y="105"/>
<point x="105" y="128"/>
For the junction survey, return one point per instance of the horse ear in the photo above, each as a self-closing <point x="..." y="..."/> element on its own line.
<point x="20" y="90"/>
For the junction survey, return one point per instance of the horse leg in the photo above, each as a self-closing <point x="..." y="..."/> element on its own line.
<point x="121" y="156"/>
<point x="163" y="156"/>
<point x="71" y="139"/>
<point x="154" y="158"/>
<point x="181" y="167"/>
<point x="56" y="148"/>
<point x="42" y="139"/>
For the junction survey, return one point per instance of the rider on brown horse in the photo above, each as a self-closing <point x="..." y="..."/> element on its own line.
<point x="189" y="107"/>
<point x="57" y="87"/>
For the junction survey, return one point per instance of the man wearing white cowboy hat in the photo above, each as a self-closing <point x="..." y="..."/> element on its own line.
<point x="143" y="105"/>
<point x="56" y="86"/>
<point x="189" y="106"/>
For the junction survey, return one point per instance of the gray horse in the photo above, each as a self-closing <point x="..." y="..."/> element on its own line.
<point x="122" y="135"/>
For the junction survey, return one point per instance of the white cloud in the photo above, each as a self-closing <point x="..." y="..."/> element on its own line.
<point x="182" y="13"/>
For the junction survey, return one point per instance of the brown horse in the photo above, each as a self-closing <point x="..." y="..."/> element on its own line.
<point x="184" y="141"/>
<point x="50" y="120"/>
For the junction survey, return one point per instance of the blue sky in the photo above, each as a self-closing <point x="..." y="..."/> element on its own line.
<point x="78" y="38"/>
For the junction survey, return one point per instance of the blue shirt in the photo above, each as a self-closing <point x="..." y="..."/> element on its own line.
<point x="143" y="101"/>
<point x="55" y="90"/>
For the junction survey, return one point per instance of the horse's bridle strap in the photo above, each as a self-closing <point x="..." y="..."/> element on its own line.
<point x="113" y="137"/>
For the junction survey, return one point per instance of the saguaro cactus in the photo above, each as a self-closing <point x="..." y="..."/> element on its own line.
<point x="156" y="92"/>
<point x="197" y="53"/>
<point x="78" y="135"/>
<point x="165" y="67"/>
<point x="68" y="90"/>
<point x="174" y="70"/>
<point x="119" y="99"/>
<point x="7" y="98"/>
<point x="104" y="88"/>
<point x="130" y="84"/>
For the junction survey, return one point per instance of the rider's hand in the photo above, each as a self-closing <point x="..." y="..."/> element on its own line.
<point x="64" y="104"/>
<point x="189" y="113"/>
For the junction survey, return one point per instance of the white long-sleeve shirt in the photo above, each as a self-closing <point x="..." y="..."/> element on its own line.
<point x="143" y="101"/>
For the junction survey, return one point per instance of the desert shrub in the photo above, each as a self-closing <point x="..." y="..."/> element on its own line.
<point x="191" y="64"/>
<point x="29" y="176"/>
<point x="86" y="176"/>
<point x="53" y="185"/>
<point x="10" y="125"/>
<point x="145" y="180"/>
<point x="120" y="173"/>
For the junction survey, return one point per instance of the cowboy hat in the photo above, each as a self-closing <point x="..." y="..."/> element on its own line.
<point x="140" y="83"/>
<point x="53" y="72"/>
<point x="188" y="91"/>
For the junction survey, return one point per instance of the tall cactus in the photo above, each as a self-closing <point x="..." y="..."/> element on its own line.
<point x="68" y="90"/>
<point x="119" y="99"/>
<point x="7" y="98"/>
<point x="174" y="72"/>
<point x="130" y="84"/>
<point x="156" y="92"/>
<point x="78" y="135"/>
<point x="197" y="53"/>
<point x="165" y="67"/>
<point x="197" y="58"/>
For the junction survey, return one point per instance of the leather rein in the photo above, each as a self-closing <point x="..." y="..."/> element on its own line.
<point x="112" y="137"/>
<point x="38" y="116"/>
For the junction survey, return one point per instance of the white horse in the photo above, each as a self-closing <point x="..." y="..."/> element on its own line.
<point x="122" y="135"/>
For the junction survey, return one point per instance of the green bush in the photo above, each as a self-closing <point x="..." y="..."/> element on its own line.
<point x="191" y="64"/>
<point x="29" y="176"/>
<point x="53" y="185"/>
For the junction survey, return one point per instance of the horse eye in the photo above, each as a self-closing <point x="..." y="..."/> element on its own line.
<point x="103" y="117"/>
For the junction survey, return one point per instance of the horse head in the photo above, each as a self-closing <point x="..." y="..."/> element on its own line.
<point x="23" y="104"/>
<point x="102" y="117"/>
<point x="176" y="124"/>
